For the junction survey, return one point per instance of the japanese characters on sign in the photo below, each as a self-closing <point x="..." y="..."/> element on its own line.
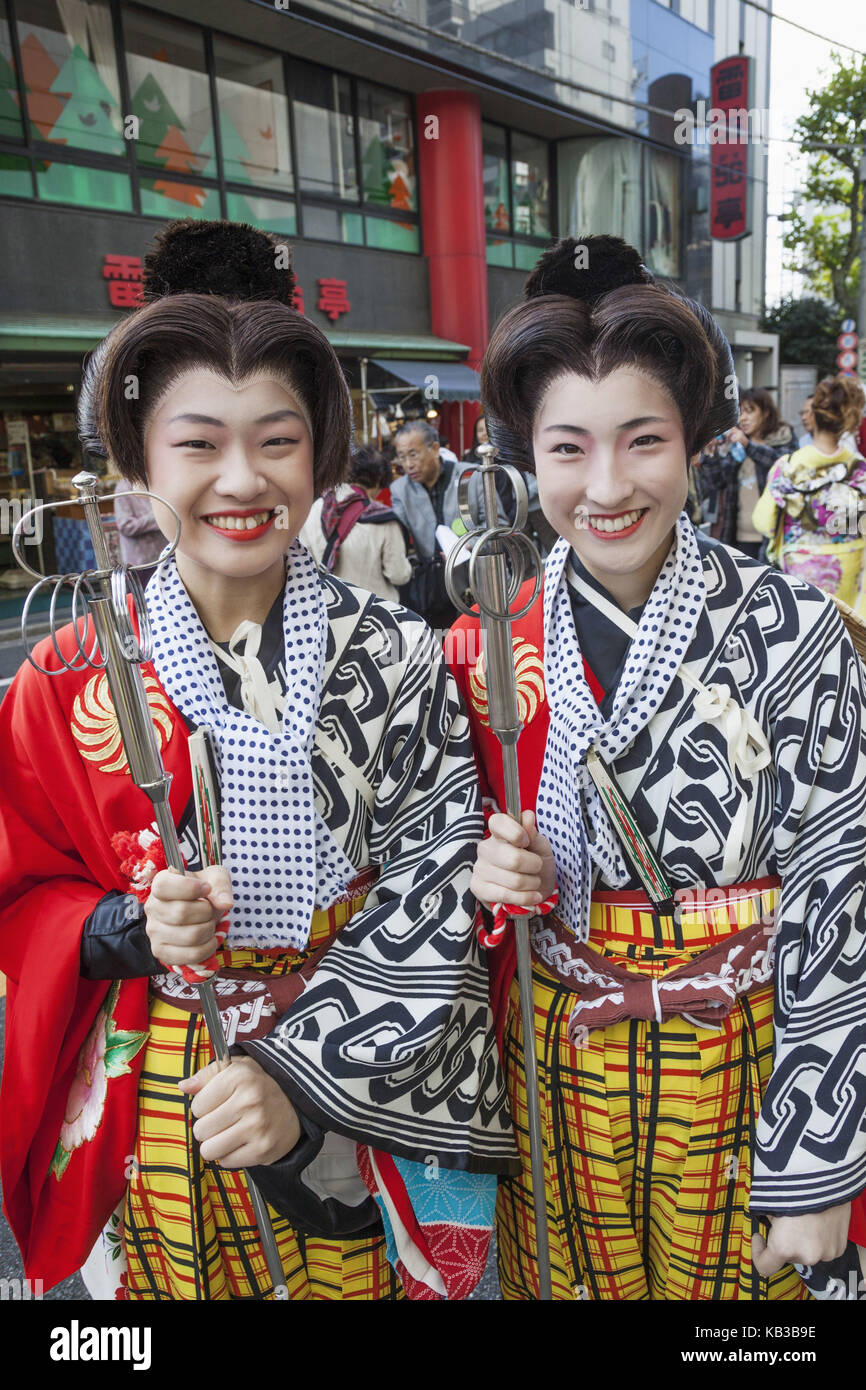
<point x="124" y="277"/>
<point x="731" y="157"/>
<point x="333" y="298"/>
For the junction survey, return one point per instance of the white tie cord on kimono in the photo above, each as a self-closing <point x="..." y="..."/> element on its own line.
<point x="266" y="701"/>
<point x="747" y="747"/>
<point x="262" y="699"/>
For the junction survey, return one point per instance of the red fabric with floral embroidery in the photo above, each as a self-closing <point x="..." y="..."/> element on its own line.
<point x="71" y="1066"/>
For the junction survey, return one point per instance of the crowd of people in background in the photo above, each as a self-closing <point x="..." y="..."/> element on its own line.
<point x="798" y="504"/>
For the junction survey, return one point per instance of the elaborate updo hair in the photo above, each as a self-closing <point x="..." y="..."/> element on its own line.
<point x="217" y="297"/>
<point x="837" y="405"/>
<point x="590" y="307"/>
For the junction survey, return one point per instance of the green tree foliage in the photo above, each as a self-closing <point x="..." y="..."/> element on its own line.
<point x="807" y="330"/>
<point x="823" y="238"/>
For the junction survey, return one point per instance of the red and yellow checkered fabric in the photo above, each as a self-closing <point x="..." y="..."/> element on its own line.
<point x="189" y="1227"/>
<point x="647" y="1129"/>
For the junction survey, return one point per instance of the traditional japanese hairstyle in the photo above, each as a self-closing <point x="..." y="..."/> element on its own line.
<point x="590" y="306"/>
<point x="217" y="296"/>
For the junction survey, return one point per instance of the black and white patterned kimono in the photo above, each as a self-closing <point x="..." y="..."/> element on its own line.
<point x="391" y="1043"/>
<point x="781" y="647"/>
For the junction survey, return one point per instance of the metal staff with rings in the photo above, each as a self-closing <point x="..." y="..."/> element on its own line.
<point x="101" y="594"/>
<point x="491" y="547"/>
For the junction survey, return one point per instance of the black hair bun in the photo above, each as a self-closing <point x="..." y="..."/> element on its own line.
<point x="610" y="263"/>
<point x="230" y="259"/>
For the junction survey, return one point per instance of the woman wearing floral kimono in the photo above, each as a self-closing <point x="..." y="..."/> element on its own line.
<point x="349" y="983"/>
<point x="814" y="502"/>
<point x="694" y="754"/>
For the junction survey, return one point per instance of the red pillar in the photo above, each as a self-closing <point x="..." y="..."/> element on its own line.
<point x="450" y="174"/>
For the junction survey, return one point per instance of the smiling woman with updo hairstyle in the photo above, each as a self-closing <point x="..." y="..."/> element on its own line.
<point x="694" y="756"/>
<point x="340" y="920"/>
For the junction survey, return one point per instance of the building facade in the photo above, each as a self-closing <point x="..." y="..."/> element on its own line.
<point x="417" y="155"/>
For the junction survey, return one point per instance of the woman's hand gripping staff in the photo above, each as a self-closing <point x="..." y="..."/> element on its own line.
<point x="242" y="1117"/>
<point x="514" y="866"/>
<point x="492" y="546"/>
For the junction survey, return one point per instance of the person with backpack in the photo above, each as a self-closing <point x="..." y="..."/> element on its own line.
<point x="355" y="537"/>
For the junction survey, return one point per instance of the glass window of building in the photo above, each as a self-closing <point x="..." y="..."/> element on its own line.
<point x="530" y="185"/>
<point x="497" y="206"/>
<point x="15" y="177"/>
<point x="387" y="154"/>
<point x="80" y="186"/>
<point x="11" y="122"/>
<point x="330" y="224"/>
<point x="388" y="235"/>
<point x="70" y="74"/>
<point x="253" y="114"/>
<point x="170" y="94"/>
<point x="271" y="214"/>
<point x="663" y="208"/>
<point x="324" y="133"/>
<point x="696" y="12"/>
<point x="599" y="181"/>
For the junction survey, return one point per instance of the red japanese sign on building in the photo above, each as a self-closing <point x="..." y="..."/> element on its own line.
<point x="333" y="298"/>
<point x="124" y="275"/>
<point x="731" y="156"/>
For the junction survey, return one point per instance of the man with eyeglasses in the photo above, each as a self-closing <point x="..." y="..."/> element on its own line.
<point x="423" y="498"/>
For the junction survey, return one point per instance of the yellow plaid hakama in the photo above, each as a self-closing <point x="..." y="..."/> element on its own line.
<point x="647" y="1129"/>
<point x="189" y="1228"/>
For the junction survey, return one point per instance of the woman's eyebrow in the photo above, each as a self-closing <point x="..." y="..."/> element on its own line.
<point x="193" y="419"/>
<point x="627" y="425"/>
<point x="278" y="415"/>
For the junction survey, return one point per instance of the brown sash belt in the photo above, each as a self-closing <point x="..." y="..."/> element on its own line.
<point x="703" y="990"/>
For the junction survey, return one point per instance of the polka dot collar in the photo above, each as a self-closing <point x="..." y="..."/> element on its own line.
<point x="282" y="858"/>
<point x="567" y="798"/>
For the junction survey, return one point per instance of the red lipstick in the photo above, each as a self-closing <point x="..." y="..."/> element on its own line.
<point x="238" y="533"/>
<point x="615" y="535"/>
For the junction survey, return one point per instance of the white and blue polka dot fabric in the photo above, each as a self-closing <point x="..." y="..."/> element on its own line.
<point x="281" y="857"/>
<point x="664" y="635"/>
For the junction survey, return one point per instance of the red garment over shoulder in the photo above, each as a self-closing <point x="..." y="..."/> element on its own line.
<point x="59" y="805"/>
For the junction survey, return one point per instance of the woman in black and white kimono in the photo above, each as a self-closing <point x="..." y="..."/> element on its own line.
<point x="695" y="754"/>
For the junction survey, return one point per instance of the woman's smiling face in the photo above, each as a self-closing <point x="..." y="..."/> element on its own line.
<point x="610" y="460"/>
<point x="236" y="462"/>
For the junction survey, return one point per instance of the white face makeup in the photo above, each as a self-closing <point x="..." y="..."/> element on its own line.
<point x="236" y="462"/>
<point x="610" y="460"/>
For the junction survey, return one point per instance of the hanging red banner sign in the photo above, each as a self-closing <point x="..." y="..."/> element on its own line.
<point x="730" y="139"/>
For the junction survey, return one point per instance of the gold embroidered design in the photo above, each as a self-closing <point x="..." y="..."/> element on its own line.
<point x="95" y="727"/>
<point x="529" y="670"/>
